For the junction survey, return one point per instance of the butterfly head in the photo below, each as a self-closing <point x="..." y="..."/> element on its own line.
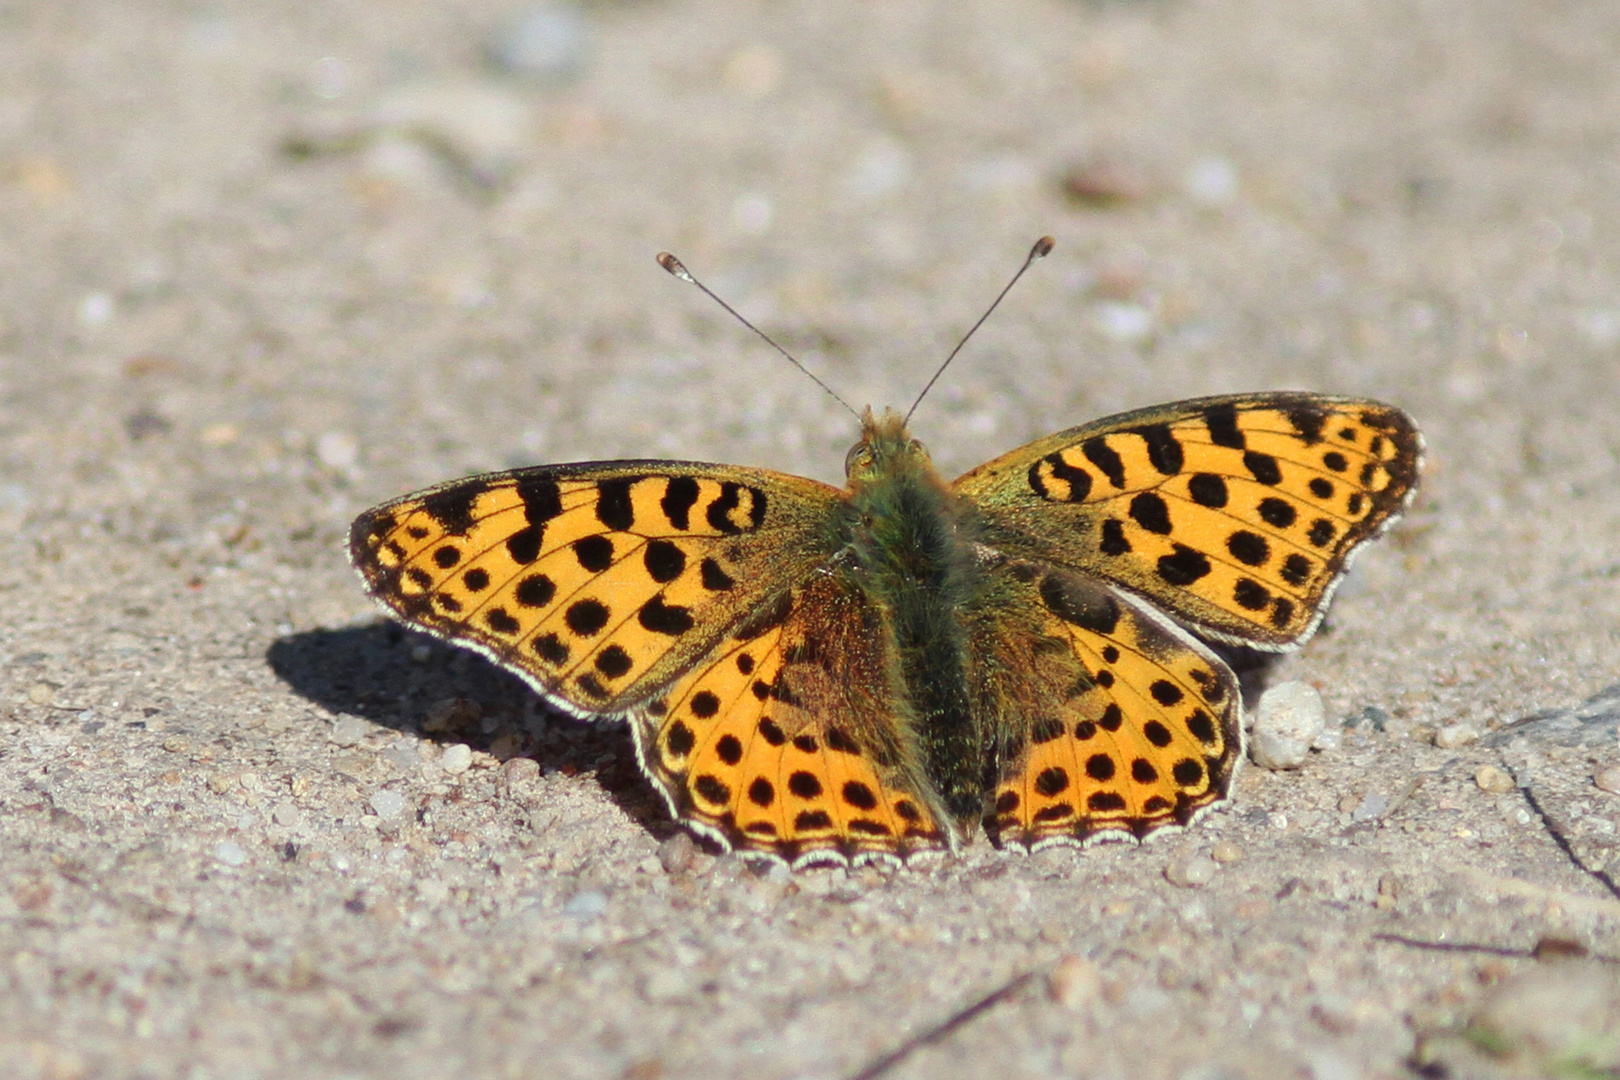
<point x="886" y="448"/>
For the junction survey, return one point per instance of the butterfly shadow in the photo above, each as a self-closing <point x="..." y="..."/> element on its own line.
<point x="420" y="686"/>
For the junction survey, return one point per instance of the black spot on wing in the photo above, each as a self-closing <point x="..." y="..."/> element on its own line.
<point x="613" y="506"/>
<point x="1164" y="452"/>
<point x="542" y="501"/>
<point x="452" y="508"/>
<point x="1078" y="480"/>
<point x="1113" y="541"/>
<point x="1183" y="566"/>
<point x="595" y="553"/>
<point x="535" y="591"/>
<point x="1100" y="454"/>
<point x="714" y="577"/>
<point x="1207" y="489"/>
<point x="680" y="494"/>
<point x="664" y="561"/>
<point x="1277" y="513"/>
<point x="1307" y="420"/>
<point x="1149" y="510"/>
<point x="1221" y="420"/>
<point x="1248" y="547"/>
<point x="661" y="618"/>
<point x="1263" y="467"/>
<point x="524" y="545"/>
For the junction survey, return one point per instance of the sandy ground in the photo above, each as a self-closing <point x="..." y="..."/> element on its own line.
<point x="265" y="264"/>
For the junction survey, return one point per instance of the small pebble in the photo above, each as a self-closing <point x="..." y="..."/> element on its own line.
<point x="230" y="853"/>
<point x="1454" y="735"/>
<point x="388" y="804"/>
<point x="1492" y="779"/>
<point x="287" y="815"/>
<point x="1212" y="181"/>
<point x="1074" y="982"/>
<point x="1226" y="852"/>
<point x="677" y="853"/>
<point x="348" y="730"/>
<point x="547" y="43"/>
<point x="1191" y="871"/>
<point x="1288" y="720"/>
<point x="521" y="770"/>
<point x="67" y="820"/>
<point x="586" y="906"/>
<point x="1124" y="322"/>
<point x="402" y="754"/>
<point x="1608" y="778"/>
<point x="1372" y="805"/>
<point x="41" y="693"/>
<point x="1329" y="740"/>
<point x="457" y="758"/>
<point x="1102" y="184"/>
<point x="337" y="450"/>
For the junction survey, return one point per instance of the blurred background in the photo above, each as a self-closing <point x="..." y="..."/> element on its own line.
<point x="263" y="264"/>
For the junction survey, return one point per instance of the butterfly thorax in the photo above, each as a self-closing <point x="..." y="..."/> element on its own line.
<point x="910" y="549"/>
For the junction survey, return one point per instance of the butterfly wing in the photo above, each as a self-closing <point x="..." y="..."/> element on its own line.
<point x="1237" y="514"/>
<point x="785" y="740"/>
<point x="1111" y="720"/>
<point x="597" y="582"/>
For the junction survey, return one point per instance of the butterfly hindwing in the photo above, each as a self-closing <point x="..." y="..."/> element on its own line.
<point x="1237" y="514"/>
<point x="598" y="581"/>
<point x="1111" y="720"/>
<point x="784" y="739"/>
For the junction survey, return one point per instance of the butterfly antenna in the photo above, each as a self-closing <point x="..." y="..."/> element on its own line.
<point x="1042" y="248"/>
<point x="678" y="269"/>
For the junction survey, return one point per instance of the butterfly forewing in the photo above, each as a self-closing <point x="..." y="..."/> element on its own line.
<point x="600" y="581"/>
<point x="1113" y="721"/>
<point x="1237" y="514"/>
<point x="784" y="741"/>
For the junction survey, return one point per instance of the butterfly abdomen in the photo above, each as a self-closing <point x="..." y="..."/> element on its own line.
<point x="910" y="555"/>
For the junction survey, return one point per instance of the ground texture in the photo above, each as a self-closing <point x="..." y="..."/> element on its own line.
<point x="266" y="264"/>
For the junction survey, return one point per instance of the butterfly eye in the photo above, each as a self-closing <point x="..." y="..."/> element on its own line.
<point x="858" y="458"/>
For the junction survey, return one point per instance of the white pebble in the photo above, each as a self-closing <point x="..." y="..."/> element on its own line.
<point x="547" y="43"/>
<point x="1191" y="871"/>
<point x="1329" y="740"/>
<point x="1123" y="322"/>
<point x="230" y="853"/>
<point x="287" y="815"/>
<point x="1226" y="852"/>
<point x="1289" y="719"/>
<point x="337" y="450"/>
<point x="1490" y="778"/>
<point x="348" y="730"/>
<point x="586" y="906"/>
<point x="457" y="758"/>
<point x="677" y="853"/>
<point x="96" y="308"/>
<point x="1454" y="735"/>
<point x="388" y="804"/>
<point x="1372" y="805"/>
<point x="1608" y="778"/>
<point x="1212" y="181"/>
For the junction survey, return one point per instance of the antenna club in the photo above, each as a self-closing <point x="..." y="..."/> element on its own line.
<point x="1043" y="248"/>
<point x="675" y="267"/>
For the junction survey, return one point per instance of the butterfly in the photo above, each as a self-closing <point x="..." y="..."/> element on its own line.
<point x="863" y="675"/>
